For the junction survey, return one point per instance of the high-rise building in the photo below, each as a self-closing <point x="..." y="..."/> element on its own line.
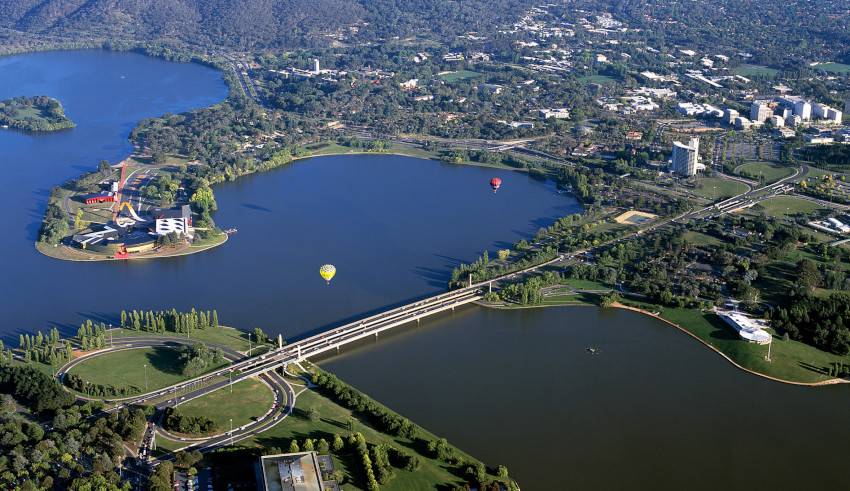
<point x="760" y="111"/>
<point x="847" y="107"/>
<point x="833" y="116"/>
<point x="316" y="68"/>
<point x="685" y="158"/>
<point x="803" y="109"/>
<point x="800" y="106"/>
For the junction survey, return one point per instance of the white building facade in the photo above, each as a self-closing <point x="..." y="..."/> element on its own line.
<point x="685" y="160"/>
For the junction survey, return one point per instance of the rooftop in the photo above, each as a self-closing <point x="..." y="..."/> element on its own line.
<point x="749" y="329"/>
<point x="291" y="472"/>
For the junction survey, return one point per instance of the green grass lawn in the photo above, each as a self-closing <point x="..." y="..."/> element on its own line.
<point x="791" y="360"/>
<point x="786" y="206"/>
<point x="699" y="238"/>
<point x="127" y="368"/>
<point x="249" y="400"/>
<point x="212" y="240"/>
<point x="579" y="284"/>
<point x="566" y="299"/>
<point x="756" y="71"/>
<point x="715" y="188"/>
<point x="770" y="172"/>
<point x="840" y="68"/>
<point x="165" y="446"/>
<point x="432" y="474"/>
<point x="459" y="75"/>
<point x="222" y="336"/>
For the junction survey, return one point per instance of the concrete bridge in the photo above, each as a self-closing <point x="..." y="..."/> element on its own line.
<point x="312" y="346"/>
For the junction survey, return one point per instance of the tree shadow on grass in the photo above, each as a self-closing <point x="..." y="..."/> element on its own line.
<point x="283" y="442"/>
<point x="165" y="359"/>
<point x="814" y="368"/>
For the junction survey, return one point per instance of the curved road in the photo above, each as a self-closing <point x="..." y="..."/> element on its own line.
<point x="284" y="395"/>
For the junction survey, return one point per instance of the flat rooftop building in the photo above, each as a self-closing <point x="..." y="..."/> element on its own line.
<point x="291" y="472"/>
<point x="177" y="220"/>
<point x="749" y="329"/>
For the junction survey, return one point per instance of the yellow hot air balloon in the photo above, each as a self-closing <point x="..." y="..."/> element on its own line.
<point x="327" y="271"/>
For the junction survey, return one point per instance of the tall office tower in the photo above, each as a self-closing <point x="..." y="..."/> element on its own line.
<point x="685" y="157"/>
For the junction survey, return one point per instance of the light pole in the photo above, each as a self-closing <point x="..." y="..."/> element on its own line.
<point x="110" y="335"/>
<point x="768" y="349"/>
<point x="231" y="432"/>
<point x="146" y="376"/>
<point x="249" y="345"/>
<point x="230" y="372"/>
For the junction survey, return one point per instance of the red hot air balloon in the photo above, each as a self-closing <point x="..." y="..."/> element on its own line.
<point x="495" y="183"/>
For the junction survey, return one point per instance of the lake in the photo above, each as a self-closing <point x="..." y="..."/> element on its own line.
<point x="393" y="226"/>
<point x="653" y="410"/>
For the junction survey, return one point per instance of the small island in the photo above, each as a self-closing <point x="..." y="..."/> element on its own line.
<point x="38" y="113"/>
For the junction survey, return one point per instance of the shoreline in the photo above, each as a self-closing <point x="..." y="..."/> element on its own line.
<point x="617" y="305"/>
<point x="832" y="381"/>
<point x="432" y="158"/>
<point x="184" y="251"/>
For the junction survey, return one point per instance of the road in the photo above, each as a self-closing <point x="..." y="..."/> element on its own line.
<point x="284" y="395"/>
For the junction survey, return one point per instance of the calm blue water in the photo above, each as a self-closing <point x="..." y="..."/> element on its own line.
<point x="393" y="226"/>
<point x="654" y="410"/>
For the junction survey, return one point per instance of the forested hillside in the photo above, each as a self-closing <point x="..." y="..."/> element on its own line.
<point x="234" y="23"/>
<point x="247" y="24"/>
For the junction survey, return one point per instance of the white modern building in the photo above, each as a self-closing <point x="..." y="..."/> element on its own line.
<point x="760" y="111"/>
<point x="839" y="225"/>
<point x="410" y="84"/>
<point x="178" y="220"/>
<point x="834" y="116"/>
<point x="749" y="329"/>
<point x="558" y="113"/>
<point x="730" y="115"/>
<point x="742" y="123"/>
<point x="685" y="159"/>
<point x="800" y="106"/>
<point x="777" y="121"/>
